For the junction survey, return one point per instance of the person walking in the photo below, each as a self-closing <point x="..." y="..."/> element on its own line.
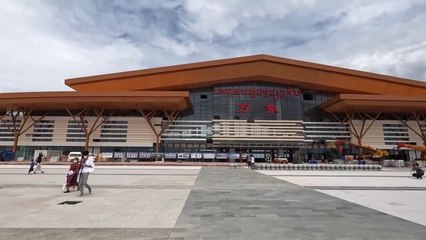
<point x="252" y="163"/>
<point x="87" y="167"/>
<point x="248" y="160"/>
<point x="38" y="162"/>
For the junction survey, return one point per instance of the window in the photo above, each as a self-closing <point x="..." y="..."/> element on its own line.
<point x="43" y="131"/>
<point x="308" y="96"/>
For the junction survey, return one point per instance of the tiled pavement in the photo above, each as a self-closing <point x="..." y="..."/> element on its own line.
<point x="223" y="203"/>
<point x="243" y="204"/>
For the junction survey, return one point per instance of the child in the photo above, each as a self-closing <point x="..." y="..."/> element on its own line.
<point x="31" y="166"/>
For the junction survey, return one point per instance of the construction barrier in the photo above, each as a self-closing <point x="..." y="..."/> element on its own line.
<point x="315" y="167"/>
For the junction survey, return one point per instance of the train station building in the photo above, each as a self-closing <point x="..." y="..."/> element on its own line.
<point x="221" y="110"/>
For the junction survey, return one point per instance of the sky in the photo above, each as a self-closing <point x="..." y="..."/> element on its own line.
<point x="44" y="42"/>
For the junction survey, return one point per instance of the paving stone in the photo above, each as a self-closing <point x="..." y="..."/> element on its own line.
<point x="224" y="203"/>
<point x="263" y="207"/>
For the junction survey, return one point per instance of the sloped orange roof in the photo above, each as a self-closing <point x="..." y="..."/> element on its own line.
<point x="176" y="100"/>
<point x="375" y="103"/>
<point x="251" y="68"/>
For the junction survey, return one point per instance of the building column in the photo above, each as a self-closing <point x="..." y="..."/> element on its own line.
<point x="17" y="131"/>
<point x="170" y="117"/>
<point x="420" y="119"/>
<point x="80" y="119"/>
<point x="358" y="133"/>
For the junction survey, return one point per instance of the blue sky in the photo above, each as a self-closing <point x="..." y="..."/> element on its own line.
<point x="44" y="42"/>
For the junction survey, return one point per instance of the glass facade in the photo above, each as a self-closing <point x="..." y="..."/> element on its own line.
<point x="251" y="106"/>
<point x="257" y="101"/>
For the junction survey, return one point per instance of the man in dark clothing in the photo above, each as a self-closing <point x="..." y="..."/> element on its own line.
<point x="418" y="171"/>
<point x="38" y="161"/>
<point x="248" y="161"/>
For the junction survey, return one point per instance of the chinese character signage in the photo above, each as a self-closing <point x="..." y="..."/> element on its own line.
<point x="243" y="107"/>
<point x="270" y="108"/>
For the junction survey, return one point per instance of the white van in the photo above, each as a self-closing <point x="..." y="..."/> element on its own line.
<point x="78" y="155"/>
<point x="73" y="155"/>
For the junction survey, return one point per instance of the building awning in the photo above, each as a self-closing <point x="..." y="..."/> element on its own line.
<point x="119" y="100"/>
<point x="375" y="103"/>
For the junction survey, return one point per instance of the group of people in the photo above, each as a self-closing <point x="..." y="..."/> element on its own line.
<point x="78" y="173"/>
<point x="250" y="162"/>
<point x="37" y="163"/>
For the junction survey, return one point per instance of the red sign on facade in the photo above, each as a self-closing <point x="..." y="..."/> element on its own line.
<point x="243" y="107"/>
<point x="258" y="92"/>
<point x="271" y="108"/>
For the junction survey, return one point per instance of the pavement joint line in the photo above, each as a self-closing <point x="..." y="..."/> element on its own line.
<point x="112" y="174"/>
<point x="363" y="176"/>
<point x="367" y="188"/>
<point x="99" y="186"/>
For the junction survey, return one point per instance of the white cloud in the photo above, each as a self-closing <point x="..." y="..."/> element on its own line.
<point x="45" y="42"/>
<point x="180" y="49"/>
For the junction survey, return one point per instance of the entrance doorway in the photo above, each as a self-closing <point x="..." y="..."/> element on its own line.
<point x="263" y="154"/>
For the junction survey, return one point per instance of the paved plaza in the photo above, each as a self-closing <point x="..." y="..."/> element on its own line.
<point x="172" y="202"/>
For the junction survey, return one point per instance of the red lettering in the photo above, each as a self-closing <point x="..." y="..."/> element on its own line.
<point x="271" y="108"/>
<point x="251" y="92"/>
<point x="254" y="92"/>
<point x="297" y="92"/>
<point x="276" y="94"/>
<point x="243" y="107"/>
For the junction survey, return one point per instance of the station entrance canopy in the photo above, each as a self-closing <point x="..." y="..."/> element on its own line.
<point x="122" y="100"/>
<point x="80" y="105"/>
<point x="368" y="108"/>
<point x="375" y="104"/>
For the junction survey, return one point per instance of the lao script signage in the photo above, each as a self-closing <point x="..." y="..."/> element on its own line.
<point x="277" y="93"/>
